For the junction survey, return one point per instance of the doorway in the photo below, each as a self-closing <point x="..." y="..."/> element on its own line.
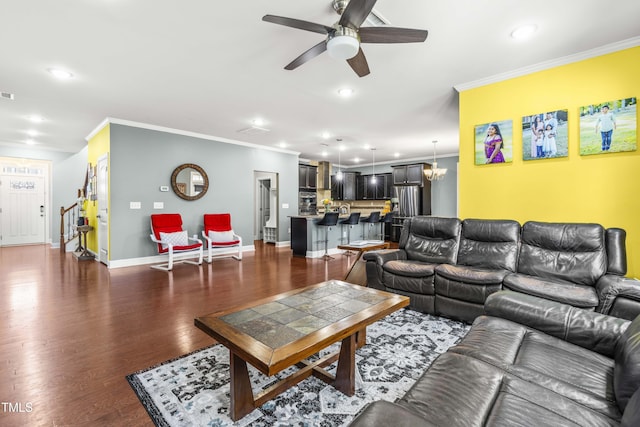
<point x="102" y="183"/>
<point x="266" y="207"/>
<point x="24" y="207"/>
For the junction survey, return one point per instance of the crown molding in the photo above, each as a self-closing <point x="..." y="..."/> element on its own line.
<point x="116" y="121"/>
<point x="592" y="53"/>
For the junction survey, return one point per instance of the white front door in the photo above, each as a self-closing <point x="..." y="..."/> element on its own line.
<point x="103" y="209"/>
<point x="22" y="204"/>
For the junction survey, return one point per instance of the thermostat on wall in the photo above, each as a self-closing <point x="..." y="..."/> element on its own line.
<point x="164" y="188"/>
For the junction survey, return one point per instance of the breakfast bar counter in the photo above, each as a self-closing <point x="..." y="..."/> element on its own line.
<point x="307" y="238"/>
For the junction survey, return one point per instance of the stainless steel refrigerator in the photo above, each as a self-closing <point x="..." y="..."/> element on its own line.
<point x="413" y="200"/>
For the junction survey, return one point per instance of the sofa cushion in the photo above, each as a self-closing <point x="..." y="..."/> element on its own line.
<point x="383" y="413"/>
<point x="626" y="378"/>
<point x="579" y="374"/>
<point x="409" y="268"/>
<point x="431" y="239"/>
<point x="471" y="275"/>
<point x="490" y="244"/>
<point x="467" y="284"/>
<point x="631" y="416"/>
<point x="458" y="390"/>
<point x="555" y="290"/>
<point x="574" y="253"/>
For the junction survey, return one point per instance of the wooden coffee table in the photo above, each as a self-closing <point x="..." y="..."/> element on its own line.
<point x="275" y="333"/>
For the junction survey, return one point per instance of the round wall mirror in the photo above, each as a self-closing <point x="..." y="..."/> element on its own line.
<point x="189" y="181"/>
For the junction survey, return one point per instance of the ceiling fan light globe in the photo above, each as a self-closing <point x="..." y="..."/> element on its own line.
<point x="343" y="47"/>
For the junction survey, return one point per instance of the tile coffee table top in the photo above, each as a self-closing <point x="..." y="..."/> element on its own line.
<point x="285" y="320"/>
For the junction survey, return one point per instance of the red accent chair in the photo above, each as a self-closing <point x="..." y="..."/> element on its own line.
<point x="220" y="237"/>
<point x="167" y="233"/>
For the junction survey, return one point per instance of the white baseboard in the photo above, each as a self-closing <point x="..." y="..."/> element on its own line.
<point x="156" y="259"/>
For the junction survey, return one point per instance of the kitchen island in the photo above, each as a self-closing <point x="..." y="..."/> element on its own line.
<point x="307" y="238"/>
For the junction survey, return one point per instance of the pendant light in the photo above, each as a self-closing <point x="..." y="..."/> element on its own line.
<point x="435" y="173"/>
<point x="373" y="154"/>
<point x="339" y="173"/>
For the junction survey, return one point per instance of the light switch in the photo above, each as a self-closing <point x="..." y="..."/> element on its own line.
<point x="135" y="205"/>
<point x="158" y="205"/>
<point x="285" y="206"/>
<point x="164" y="188"/>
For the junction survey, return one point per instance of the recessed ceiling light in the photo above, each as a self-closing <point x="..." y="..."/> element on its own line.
<point x="345" y="92"/>
<point x="524" y="31"/>
<point x="396" y="154"/>
<point x="36" y="119"/>
<point x="258" y="122"/>
<point x="356" y="160"/>
<point x="30" y="142"/>
<point x="326" y="135"/>
<point x="282" y="144"/>
<point x="59" y="73"/>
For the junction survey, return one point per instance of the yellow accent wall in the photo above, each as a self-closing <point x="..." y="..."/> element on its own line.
<point x="601" y="188"/>
<point x="99" y="145"/>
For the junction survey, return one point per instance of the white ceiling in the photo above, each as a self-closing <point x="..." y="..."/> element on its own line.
<point x="211" y="67"/>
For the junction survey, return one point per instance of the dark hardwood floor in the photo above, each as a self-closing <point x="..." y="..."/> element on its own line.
<point x="72" y="331"/>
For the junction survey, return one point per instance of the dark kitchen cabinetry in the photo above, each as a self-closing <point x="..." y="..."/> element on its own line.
<point x="408" y="174"/>
<point x="381" y="189"/>
<point x="307" y="177"/>
<point x="344" y="189"/>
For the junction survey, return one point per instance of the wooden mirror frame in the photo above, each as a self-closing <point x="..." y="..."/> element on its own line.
<point x="174" y="184"/>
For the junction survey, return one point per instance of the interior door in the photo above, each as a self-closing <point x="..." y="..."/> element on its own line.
<point x="102" y="183"/>
<point x="22" y="200"/>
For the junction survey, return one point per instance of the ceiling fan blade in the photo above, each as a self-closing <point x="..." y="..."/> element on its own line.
<point x="356" y="12"/>
<point x="359" y="64"/>
<point x="307" y="56"/>
<point x="391" y="35"/>
<point x="299" y="24"/>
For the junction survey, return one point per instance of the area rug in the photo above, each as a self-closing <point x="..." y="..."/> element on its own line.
<point x="193" y="390"/>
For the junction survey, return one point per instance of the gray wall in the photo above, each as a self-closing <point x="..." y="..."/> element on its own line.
<point x="444" y="193"/>
<point x="142" y="160"/>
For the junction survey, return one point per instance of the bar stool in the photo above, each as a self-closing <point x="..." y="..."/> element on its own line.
<point x="387" y="219"/>
<point x="352" y="220"/>
<point x="329" y="220"/>
<point x="373" y="218"/>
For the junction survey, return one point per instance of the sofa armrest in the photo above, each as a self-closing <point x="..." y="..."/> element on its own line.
<point x="611" y="287"/>
<point x="594" y="331"/>
<point x="383" y="413"/>
<point x="384" y="255"/>
<point x="374" y="262"/>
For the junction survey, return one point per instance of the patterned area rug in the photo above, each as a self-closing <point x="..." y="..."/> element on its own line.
<point x="193" y="390"/>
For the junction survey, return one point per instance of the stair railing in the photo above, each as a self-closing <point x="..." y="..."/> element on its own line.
<point x="67" y="222"/>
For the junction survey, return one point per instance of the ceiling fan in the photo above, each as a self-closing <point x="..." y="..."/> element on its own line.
<point x="344" y="37"/>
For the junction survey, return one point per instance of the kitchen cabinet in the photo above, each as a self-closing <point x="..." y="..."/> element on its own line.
<point x="381" y="189"/>
<point x="409" y="174"/>
<point x="344" y="189"/>
<point x="307" y="177"/>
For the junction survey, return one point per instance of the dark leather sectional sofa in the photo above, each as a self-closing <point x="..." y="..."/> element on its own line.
<point x="449" y="267"/>
<point x="528" y="362"/>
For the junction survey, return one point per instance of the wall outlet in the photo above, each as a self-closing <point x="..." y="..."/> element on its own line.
<point x="135" y="205"/>
<point x="158" y="205"/>
<point x="164" y="188"/>
<point x="285" y="206"/>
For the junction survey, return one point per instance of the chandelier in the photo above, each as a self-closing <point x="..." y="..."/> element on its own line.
<point x="435" y="173"/>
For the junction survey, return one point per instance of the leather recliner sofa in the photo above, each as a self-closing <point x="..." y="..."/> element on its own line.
<point x="528" y="362"/>
<point x="449" y="267"/>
